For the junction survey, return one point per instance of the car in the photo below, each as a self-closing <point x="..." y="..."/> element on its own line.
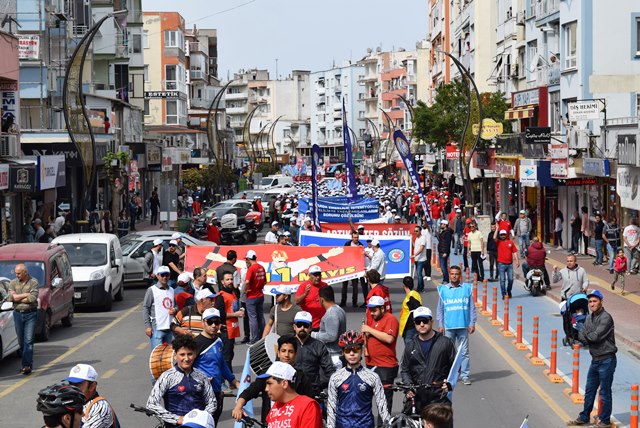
<point x="135" y="245"/>
<point x="49" y="264"/>
<point x="275" y="181"/>
<point x="251" y="194"/>
<point x="96" y="265"/>
<point x="8" y="339"/>
<point x="240" y="207"/>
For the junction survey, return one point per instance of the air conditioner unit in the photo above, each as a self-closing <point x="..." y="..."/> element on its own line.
<point x="9" y="146"/>
<point x="520" y="17"/>
<point x="514" y="70"/>
<point x="578" y="139"/>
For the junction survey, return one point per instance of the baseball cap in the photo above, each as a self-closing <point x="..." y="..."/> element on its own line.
<point x="198" y="419"/>
<point x="184" y="277"/>
<point x="397" y="217"/>
<point x="444" y="222"/>
<point x="468" y="221"/>
<point x="176" y="235"/>
<point x="281" y="289"/>
<point x="164" y="269"/>
<point x="502" y="232"/>
<point x="157" y="242"/>
<point x="37" y="221"/>
<point x="204" y="293"/>
<point x="211" y="313"/>
<point x="275" y="223"/>
<point x="81" y="372"/>
<point x="375" y="242"/>
<point x="173" y="242"/>
<point x="422" y="312"/>
<point x="458" y="210"/>
<point x="212" y="280"/>
<point x="280" y="370"/>
<point x="375" y="301"/>
<point x="287" y="234"/>
<point x="251" y="255"/>
<point x="523" y="212"/>
<point x="315" y="269"/>
<point x="595" y="293"/>
<point x="303" y="316"/>
<point x="360" y="227"/>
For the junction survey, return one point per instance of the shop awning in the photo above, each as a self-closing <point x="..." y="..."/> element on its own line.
<point x="520" y="113"/>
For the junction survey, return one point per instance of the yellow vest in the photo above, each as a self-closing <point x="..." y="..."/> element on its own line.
<point x="405" y="312"/>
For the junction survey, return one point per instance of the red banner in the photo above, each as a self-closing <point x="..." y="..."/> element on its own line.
<point x="371" y="229"/>
<point x="285" y="264"/>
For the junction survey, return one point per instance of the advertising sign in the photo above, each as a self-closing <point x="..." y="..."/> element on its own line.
<point x="28" y="47"/>
<point x="596" y="167"/>
<point x="339" y="210"/>
<point x="559" y="169"/>
<point x="584" y="110"/>
<point x="537" y="135"/>
<point x="627" y="186"/>
<point x="154" y="155"/>
<point x="52" y="171"/>
<point x="506" y="168"/>
<point x="370" y="229"/>
<point x="627" y="150"/>
<point x="490" y="128"/>
<point x="525" y="98"/>
<point x="22" y="178"/>
<point x="528" y="172"/>
<point x="10" y="105"/>
<point x="452" y="152"/>
<point x="4" y="176"/>
<point x="167" y="164"/>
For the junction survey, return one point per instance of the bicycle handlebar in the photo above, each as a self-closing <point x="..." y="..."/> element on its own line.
<point x="405" y="387"/>
<point x="249" y="421"/>
<point x="142" y="409"/>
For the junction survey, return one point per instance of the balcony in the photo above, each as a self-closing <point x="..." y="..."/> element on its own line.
<point x="337" y="88"/>
<point x="546" y="8"/>
<point x="320" y="90"/>
<point x="463" y="18"/>
<point x="235" y="96"/>
<point x="200" y="103"/>
<point x="196" y="74"/>
<point x="322" y="124"/>
<point x="237" y="110"/>
<point x="197" y="47"/>
<point x="337" y="124"/>
<point x="368" y="79"/>
<point x="337" y="106"/>
<point x="321" y="100"/>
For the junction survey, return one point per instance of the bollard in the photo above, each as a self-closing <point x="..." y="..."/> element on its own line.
<point x="468" y="275"/>
<point x="505" y="317"/>
<point x="494" y="308"/>
<point x="475" y="294"/>
<point x="520" y="346"/>
<point x="551" y="374"/>
<point x="434" y="257"/>
<point x="533" y="356"/>
<point x="574" y="392"/>
<point x="633" y="422"/>
<point x="484" y="299"/>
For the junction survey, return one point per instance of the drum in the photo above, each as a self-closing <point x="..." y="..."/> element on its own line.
<point x="160" y="360"/>
<point x="263" y="353"/>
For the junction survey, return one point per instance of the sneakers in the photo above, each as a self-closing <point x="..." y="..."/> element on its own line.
<point x="26" y="370"/>
<point x="510" y="295"/>
<point x="577" y="422"/>
<point x="427" y="278"/>
<point x="466" y="381"/>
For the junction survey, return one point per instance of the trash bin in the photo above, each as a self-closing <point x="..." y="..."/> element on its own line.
<point x="183" y="224"/>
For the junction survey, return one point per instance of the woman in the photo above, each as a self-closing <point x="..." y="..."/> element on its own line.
<point x="28" y="231"/>
<point x="106" y="225"/>
<point x="557" y="230"/>
<point x="123" y="223"/>
<point x="586" y="230"/>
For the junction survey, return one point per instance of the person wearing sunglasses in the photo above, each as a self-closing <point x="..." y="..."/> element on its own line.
<point x="158" y="309"/>
<point x="427" y="359"/>
<point x="189" y="319"/>
<point x="353" y="388"/>
<point x="210" y="356"/>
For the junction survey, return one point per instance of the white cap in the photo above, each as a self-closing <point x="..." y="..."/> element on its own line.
<point x="397" y="217"/>
<point x="375" y="301"/>
<point x="361" y="226"/>
<point x="280" y="370"/>
<point x="303" y="316"/>
<point x="281" y="289"/>
<point x="211" y="280"/>
<point x="184" y="277"/>
<point x="287" y="234"/>
<point x="315" y="269"/>
<point x="176" y="235"/>
<point x="274" y="223"/>
<point x="204" y="293"/>
<point x="251" y="255"/>
<point x="173" y="242"/>
<point x="211" y="313"/>
<point x="375" y="242"/>
<point x="444" y="222"/>
<point x="81" y="372"/>
<point x="458" y="210"/>
<point x="422" y="312"/>
<point x="157" y="242"/>
<point x="164" y="269"/>
<point x="198" y="419"/>
<point x="523" y="212"/>
<point x="502" y="232"/>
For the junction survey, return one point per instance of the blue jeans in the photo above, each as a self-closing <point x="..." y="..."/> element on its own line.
<point x="612" y="254"/>
<point x="524" y="244"/>
<point x="420" y="270"/>
<point x="445" y="268"/>
<point x="256" y="318"/>
<point x="159" y="337"/>
<point x="600" y="375"/>
<point x="460" y="337"/>
<point x="599" y="254"/>
<point x="25" y="330"/>
<point x="506" y="274"/>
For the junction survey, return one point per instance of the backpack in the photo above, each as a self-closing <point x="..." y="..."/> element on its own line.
<point x="116" y="422"/>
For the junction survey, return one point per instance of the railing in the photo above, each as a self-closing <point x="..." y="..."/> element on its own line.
<point x="545" y="8"/>
<point x="80" y="30"/>
<point x="196" y="74"/>
<point x="196" y="47"/>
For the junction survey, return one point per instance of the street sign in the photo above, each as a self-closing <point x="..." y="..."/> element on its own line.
<point x="490" y="128"/>
<point x="64" y="206"/>
<point x="584" y="110"/>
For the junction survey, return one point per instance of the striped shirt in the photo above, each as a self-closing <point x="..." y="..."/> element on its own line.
<point x="188" y="318"/>
<point x="98" y="414"/>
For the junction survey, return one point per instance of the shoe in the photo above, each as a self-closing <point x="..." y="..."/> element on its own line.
<point x="548" y="287"/>
<point x="503" y="296"/>
<point x="576" y="422"/>
<point x="611" y="271"/>
<point x="26" y="370"/>
<point x="362" y="306"/>
<point x="600" y="425"/>
<point x="509" y="293"/>
<point x="466" y="381"/>
<point x="245" y="340"/>
<point x="427" y="278"/>
<point x="624" y="293"/>
<point x="613" y="287"/>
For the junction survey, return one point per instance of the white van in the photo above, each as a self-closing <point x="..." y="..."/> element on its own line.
<point x="96" y="266"/>
<point x="275" y="181"/>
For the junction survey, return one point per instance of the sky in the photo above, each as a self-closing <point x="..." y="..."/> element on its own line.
<point x="300" y="34"/>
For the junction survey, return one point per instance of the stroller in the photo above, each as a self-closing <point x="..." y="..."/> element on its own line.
<point x="573" y="315"/>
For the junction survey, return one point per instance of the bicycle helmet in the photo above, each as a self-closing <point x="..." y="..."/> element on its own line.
<point x="60" y="399"/>
<point x="350" y="338"/>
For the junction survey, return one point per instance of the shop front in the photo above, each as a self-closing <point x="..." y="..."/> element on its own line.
<point x="628" y="178"/>
<point x="537" y="186"/>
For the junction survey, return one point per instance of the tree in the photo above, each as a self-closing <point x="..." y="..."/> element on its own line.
<point x="192" y="178"/>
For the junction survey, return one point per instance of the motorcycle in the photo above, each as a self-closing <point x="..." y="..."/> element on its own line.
<point x="534" y="282"/>
<point x="235" y="232"/>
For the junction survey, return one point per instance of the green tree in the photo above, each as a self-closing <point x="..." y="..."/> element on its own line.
<point x="266" y="169"/>
<point x="192" y="178"/>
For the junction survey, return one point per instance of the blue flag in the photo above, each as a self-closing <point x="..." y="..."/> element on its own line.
<point x="454" y="373"/>
<point x="245" y="381"/>
<point x="315" y="159"/>
<point x="405" y="153"/>
<point x="352" y="189"/>
<point x="525" y="423"/>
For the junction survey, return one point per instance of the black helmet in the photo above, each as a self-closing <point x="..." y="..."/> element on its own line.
<point x="60" y="399"/>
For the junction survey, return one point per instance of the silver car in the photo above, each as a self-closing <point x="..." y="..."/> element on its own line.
<point x="8" y="339"/>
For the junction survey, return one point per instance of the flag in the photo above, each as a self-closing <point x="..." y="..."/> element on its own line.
<point x="454" y="373"/>
<point x="352" y="190"/>
<point x="525" y="423"/>
<point x="245" y="381"/>
<point x="315" y="160"/>
<point x="402" y="144"/>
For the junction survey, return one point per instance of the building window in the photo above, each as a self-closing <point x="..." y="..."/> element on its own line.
<point x="637" y="31"/>
<point x="174" y="78"/>
<point x="570" y="45"/>
<point x="146" y="107"/>
<point x="173" y="39"/>
<point x="136" y="43"/>
<point x="146" y="73"/>
<point x="172" y="112"/>
<point x="555" y="115"/>
<point x="145" y="40"/>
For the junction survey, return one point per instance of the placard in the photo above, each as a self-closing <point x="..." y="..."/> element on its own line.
<point x="584" y="110"/>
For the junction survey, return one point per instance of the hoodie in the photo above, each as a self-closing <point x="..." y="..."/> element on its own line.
<point x="573" y="281"/>
<point x="536" y="255"/>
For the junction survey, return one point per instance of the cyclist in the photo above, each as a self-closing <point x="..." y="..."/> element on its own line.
<point x="98" y="413"/>
<point x="352" y="389"/>
<point x="61" y="406"/>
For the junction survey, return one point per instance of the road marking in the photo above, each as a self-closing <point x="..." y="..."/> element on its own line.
<point x="524" y="375"/>
<point x="141" y="346"/>
<point x="126" y="359"/>
<point x="108" y="374"/>
<point x="69" y="352"/>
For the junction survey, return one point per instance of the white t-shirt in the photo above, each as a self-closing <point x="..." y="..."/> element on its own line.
<point x="632" y="234"/>
<point x="421" y="241"/>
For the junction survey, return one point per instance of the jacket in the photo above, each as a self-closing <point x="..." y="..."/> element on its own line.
<point x="536" y="255"/>
<point x="311" y="356"/>
<point x="573" y="281"/>
<point x="491" y="241"/>
<point x="444" y="241"/>
<point x="147" y="266"/>
<point x="599" y="333"/>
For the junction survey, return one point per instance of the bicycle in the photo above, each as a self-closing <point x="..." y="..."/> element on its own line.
<point x="149" y="412"/>
<point x="248" y="421"/>
<point x="410" y="417"/>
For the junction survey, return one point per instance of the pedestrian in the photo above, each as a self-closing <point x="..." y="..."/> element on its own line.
<point x="522" y="229"/>
<point x="444" y="249"/>
<point x="133" y="213"/>
<point x="620" y="269"/>
<point x="411" y="301"/>
<point x="507" y="252"/>
<point x="123" y="223"/>
<point x="611" y="237"/>
<point x="254" y="282"/>
<point x="98" y="413"/>
<point x="585" y="229"/>
<point x="557" y="229"/>
<point x="377" y="289"/>
<point x="378" y="259"/>
<point x="422" y="256"/>
<point x="106" y="224"/>
<point x="154" y="205"/>
<point x="282" y="313"/>
<point x="536" y="256"/>
<point x="456" y="316"/>
<point x="308" y="298"/>
<point x="158" y="309"/>
<point x="171" y="259"/>
<point x="574" y="278"/>
<point x="492" y="249"/>
<point x="272" y="235"/>
<point x="598" y="333"/>
<point x="576" y="232"/>
<point x="504" y="223"/>
<point x="457" y="224"/>
<point x="355" y="282"/>
<point x="48" y="236"/>
<point x="332" y="325"/>
<point x="28" y="231"/>
<point x="37" y="225"/>
<point x="23" y="292"/>
<point x="476" y="248"/>
<point x="598" y="232"/>
<point x="631" y="235"/>
<point x="138" y="201"/>
<point x="188" y="320"/>
<point x="152" y="262"/>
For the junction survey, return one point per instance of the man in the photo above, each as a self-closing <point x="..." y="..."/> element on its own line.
<point x="184" y="292"/>
<point x="353" y="242"/>
<point x="586" y="229"/>
<point x="98" y="413"/>
<point x="456" y="316"/>
<point x="457" y="224"/>
<point x="182" y="388"/>
<point x="171" y="259"/>
<point x="61" y="406"/>
<point x="282" y="314"/>
<point x="576" y="232"/>
<point x="422" y="256"/>
<point x="307" y="295"/>
<point x="476" y="248"/>
<point x="312" y="354"/>
<point x="507" y="253"/>
<point x="536" y="256"/>
<point x="444" y="249"/>
<point x="272" y="236"/>
<point x="200" y="280"/>
<point x="59" y="222"/>
<point x="378" y="259"/>
<point x="381" y="333"/>
<point x="377" y="289"/>
<point x="290" y="409"/>
<point x="598" y="333"/>
<point x="23" y="292"/>
<point x="229" y="266"/>
<point x="631" y="236"/>
<point x="158" y="308"/>
<point x="213" y="231"/>
<point x="210" y="358"/>
<point x="574" y="278"/>
<point x="181" y="246"/>
<point x="522" y="229"/>
<point x="37" y="224"/>
<point x="503" y="223"/>
<point x="189" y="319"/>
<point x="427" y="359"/>
<point x="492" y="249"/>
<point x="332" y="325"/>
<point x="352" y="388"/>
<point x="232" y="311"/>
<point x="254" y="282"/>
<point x="611" y="237"/>
<point x="598" y="232"/>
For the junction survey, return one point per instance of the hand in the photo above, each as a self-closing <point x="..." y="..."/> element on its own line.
<point x="307" y="289"/>
<point x="555" y="269"/>
<point x="237" y="413"/>
<point x="471" y="329"/>
<point x="186" y="331"/>
<point x="364" y="329"/>
<point x="172" y="310"/>
<point x="180" y="419"/>
<point x="444" y="255"/>
<point x="148" y="332"/>
<point x="410" y="395"/>
<point x="239" y="314"/>
<point x="445" y="385"/>
<point x="441" y="330"/>
<point x="236" y="384"/>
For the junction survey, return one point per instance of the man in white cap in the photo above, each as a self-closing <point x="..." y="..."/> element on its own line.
<point x="184" y="292"/>
<point x="272" y="236"/>
<point x="522" y="229"/>
<point x="378" y="259"/>
<point x="282" y="314"/>
<point x="189" y="319"/>
<point x="255" y="280"/>
<point x="307" y="295"/>
<point x="177" y="236"/>
<point x="152" y="261"/>
<point x="98" y="413"/>
<point x="171" y="259"/>
<point x="158" y="308"/>
<point x="198" y="419"/>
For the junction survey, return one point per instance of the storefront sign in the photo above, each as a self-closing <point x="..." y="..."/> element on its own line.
<point x="22" y="178"/>
<point x="525" y="98"/>
<point x="528" y="172"/>
<point x="506" y="168"/>
<point x="452" y="152"/>
<point x="167" y="164"/>
<point x="627" y="186"/>
<point x="581" y="182"/>
<point x="490" y="128"/>
<point x="583" y="110"/>
<point x="178" y="156"/>
<point x="537" y="135"/>
<point x="161" y="94"/>
<point x="10" y="106"/>
<point x="627" y="150"/>
<point x="559" y="168"/>
<point x="596" y="167"/>
<point x="154" y="155"/>
<point x="4" y="176"/>
<point x="559" y="151"/>
<point x="133" y="169"/>
<point x="282" y="158"/>
<point x="28" y="47"/>
<point x="52" y="171"/>
<point x="68" y="150"/>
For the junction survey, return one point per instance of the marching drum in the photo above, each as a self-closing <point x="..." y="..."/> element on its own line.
<point x="160" y="360"/>
<point x="263" y="353"/>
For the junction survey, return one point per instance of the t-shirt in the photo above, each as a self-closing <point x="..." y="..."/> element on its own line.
<point x="632" y="234"/>
<point x="597" y="231"/>
<point x="301" y="412"/>
<point x="426" y="346"/>
<point x="421" y="241"/>
<point x="505" y="251"/>
<point x="311" y="303"/>
<point x="475" y="240"/>
<point x="383" y="354"/>
<point x="257" y="278"/>
<point x="382" y="291"/>
<point x="284" y="325"/>
<point x="504" y="225"/>
<point x="174" y="258"/>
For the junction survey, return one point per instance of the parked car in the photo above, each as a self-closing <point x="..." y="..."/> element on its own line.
<point x="240" y="207"/>
<point x="96" y="264"/>
<point x="251" y="193"/>
<point x="50" y="266"/>
<point x="275" y="181"/>
<point x="135" y="245"/>
<point x="8" y="339"/>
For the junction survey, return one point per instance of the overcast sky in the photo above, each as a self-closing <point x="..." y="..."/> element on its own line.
<point x="301" y="34"/>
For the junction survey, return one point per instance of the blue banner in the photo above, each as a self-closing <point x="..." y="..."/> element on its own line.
<point x="396" y="248"/>
<point x="339" y="209"/>
<point x="352" y="187"/>
<point x="405" y="154"/>
<point x="316" y="152"/>
<point x="245" y="381"/>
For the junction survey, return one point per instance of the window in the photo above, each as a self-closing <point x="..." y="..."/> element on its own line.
<point x="136" y="43"/>
<point x="554" y="112"/>
<point x="637" y="31"/>
<point x="173" y="39"/>
<point x="146" y="73"/>
<point x="146" y="108"/>
<point x="145" y="40"/>
<point x="172" y="112"/>
<point x="174" y="78"/>
<point x="570" y="45"/>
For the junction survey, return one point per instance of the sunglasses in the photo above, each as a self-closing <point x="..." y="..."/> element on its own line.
<point x="353" y="350"/>
<point x="316" y="274"/>
<point x="303" y="325"/>
<point x="422" y="321"/>
<point x="212" y="321"/>
<point x="163" y="274"/>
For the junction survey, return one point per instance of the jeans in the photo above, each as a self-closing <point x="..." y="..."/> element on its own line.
<point x="477" y="265"/>
<point x="575" y="241"/>
<point x="632" y="258"/>
<point x="493" y="262"/>
<point x="387" y="376"/>
<point x="460" y="337"/>
<point x="154" y="217"/>
<point x="599" y="255"/>
<point x="25" y="324"/>
<point x="159" y="337"/>
<point x="256" y="318"/>
<point x="457" y="243"/>
<point x="423" y="269"/>
<point x="506" y="274"/>
<point x="600" y="375"/>
<point x="524" y="241"/>
<point x="612" y="250"/>
<point x="444" y="265"/>
<point x="558" y="235"/>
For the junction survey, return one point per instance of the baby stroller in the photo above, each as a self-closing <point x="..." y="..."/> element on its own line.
<point x="572" y="321"/>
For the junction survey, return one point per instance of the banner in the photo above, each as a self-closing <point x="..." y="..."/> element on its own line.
<point x="315" y="159"/>
<point x="405" y="154"/>
<point x="454" y="373"/>
<point x="352" y="187"/>
<point x="371" y="229"/>
<point x="396" y="248"/>
<point x="52" y="171"/>
<point x="245" y="381"/>
<point x="285" y="265"/>
<point x="339" y="210"/>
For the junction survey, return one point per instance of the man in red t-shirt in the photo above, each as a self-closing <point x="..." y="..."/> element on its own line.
<point x="289" y="409"/>
<point x="254" y="283"/>
<point x="377" y="289"/>
<point x="213" y="232"/>
<point x="507" y="252"/>
<point x="382" y="332"/>
<point x="307" y="296"/>
<point x="504" y="223"/>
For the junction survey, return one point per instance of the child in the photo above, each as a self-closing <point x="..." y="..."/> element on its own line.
<point x="619" y="269"/>
<point x="578" y="318"/>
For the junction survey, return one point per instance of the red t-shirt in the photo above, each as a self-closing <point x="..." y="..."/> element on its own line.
<point x="505" y="251"/>
<point x="382" y="291"/>
<point x="301" y="412"/>
<point x="382" y="354"/>
<point x="435" y="211"/>
<point x="504" y="225"/>
<point x="257" y="279"/>
<point x="465" y="236"/>
<point x="213" y="233"/>
<point x="311" y="303"/>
